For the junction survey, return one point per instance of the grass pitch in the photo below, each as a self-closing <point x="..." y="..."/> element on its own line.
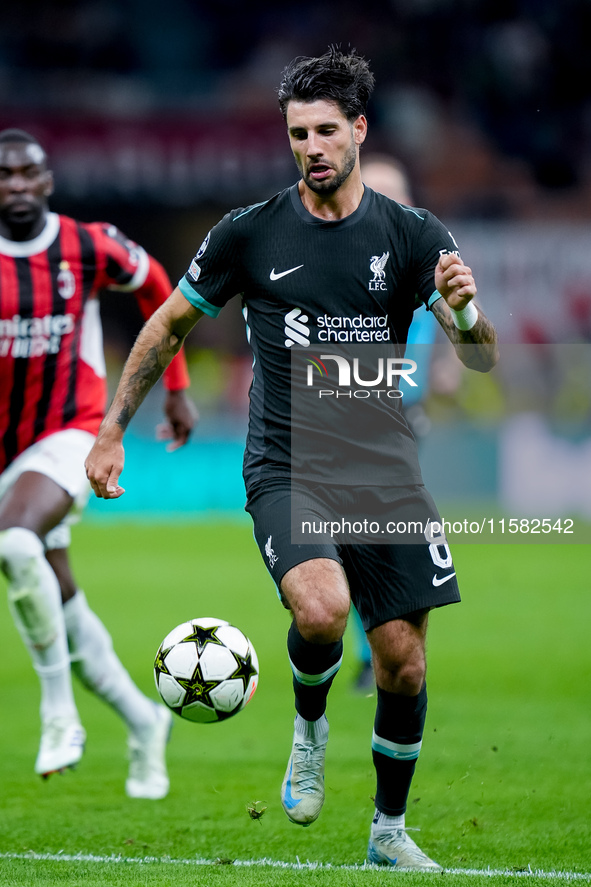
<point x="502" y="782"/>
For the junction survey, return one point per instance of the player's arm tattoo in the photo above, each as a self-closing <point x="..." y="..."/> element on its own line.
<point x="477" y="347"/>
<point x="139" y="383"/>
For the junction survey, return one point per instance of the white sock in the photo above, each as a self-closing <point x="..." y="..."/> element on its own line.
<point x="35" y="604"/>
<point x="383" y="822"/>
<point x="96" y="664"/>
<point x="313" y="731"/>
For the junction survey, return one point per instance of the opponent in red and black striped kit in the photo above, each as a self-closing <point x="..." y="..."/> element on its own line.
<point x="52" y="373"/>
<point x="52" y="399"/>
<point x="322" y="263"/>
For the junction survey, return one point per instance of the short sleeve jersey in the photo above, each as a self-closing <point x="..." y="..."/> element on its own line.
<point x="52" y="372"/>
<point x="308" y="283"/>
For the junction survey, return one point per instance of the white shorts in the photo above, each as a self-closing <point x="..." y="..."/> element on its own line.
<point x="59" y="456"/>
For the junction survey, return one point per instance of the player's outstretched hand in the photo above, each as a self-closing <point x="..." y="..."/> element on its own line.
<point x="182" y="415"/>
<point x="104" y="465"/>
<point x="454" y="281"/>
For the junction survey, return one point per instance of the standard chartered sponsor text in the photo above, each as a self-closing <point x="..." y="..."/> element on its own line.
<point x="353" y="329"/>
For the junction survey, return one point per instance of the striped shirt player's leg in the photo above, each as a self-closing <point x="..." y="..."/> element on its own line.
<point x="36" y="607"/>
<point x="95" y="663"/>
<point x="31" y="502"/>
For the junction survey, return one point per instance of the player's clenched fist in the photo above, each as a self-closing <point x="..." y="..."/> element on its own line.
<point x="104" y="465"/>
<point x="454" y="281"/>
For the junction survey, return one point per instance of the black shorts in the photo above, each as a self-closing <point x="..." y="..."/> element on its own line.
<point x="386" y="581"/>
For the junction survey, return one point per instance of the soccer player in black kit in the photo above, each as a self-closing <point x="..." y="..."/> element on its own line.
<point x="303" y="263"/>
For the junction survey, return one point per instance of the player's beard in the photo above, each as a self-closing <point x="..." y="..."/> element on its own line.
<point x="330" y="186"/>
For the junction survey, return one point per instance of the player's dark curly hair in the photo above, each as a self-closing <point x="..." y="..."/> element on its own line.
<point x="341" y="77"/>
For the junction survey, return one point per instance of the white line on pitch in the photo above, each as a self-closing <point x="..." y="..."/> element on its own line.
<point x="273" y="863"/>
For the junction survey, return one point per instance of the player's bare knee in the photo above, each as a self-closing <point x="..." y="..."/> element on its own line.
<point x="410" y="681"/>
<point x="319" y="600"/>
<point x="404" y="677"/>
<point x="321" y="622"/>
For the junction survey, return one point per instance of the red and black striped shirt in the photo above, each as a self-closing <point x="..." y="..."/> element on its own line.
<point x="52" y="373"/>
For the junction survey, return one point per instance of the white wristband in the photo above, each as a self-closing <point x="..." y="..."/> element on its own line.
<point x="466" y="318"/>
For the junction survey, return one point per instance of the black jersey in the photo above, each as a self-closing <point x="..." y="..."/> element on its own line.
<point x="312" y="285"/>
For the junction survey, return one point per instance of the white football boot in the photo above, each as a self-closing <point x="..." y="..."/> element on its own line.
<point x="302" y="792"/>
<point x="148" y="777"/>
<point x="62" y="745"/>
<point x="392" y="846"/>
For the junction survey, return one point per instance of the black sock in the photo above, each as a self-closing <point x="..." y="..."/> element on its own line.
<point x="314" y="668"/>
<point x="396" y="744"/>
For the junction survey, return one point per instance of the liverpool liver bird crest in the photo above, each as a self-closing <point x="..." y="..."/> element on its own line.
<point x="377" y="265"/>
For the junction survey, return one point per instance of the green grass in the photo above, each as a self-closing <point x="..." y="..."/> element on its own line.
<point x="502" y="782"/>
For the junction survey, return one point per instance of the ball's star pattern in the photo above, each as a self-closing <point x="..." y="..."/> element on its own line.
<point x="202" y="636"/>
<point x="197" y="689"/>
<point x="245" y="669"/>
<point x="159" y="664"/>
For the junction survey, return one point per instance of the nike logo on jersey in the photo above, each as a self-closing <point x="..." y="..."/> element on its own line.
<point x="274" y="276"/>
<point x="437" y="581"/>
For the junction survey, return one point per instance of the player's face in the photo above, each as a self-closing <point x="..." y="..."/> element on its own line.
<point x="324" y="143"/>
<point x="25" y="185"/>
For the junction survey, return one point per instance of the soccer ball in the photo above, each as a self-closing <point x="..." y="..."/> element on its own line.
<point x="206" y="670"/>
